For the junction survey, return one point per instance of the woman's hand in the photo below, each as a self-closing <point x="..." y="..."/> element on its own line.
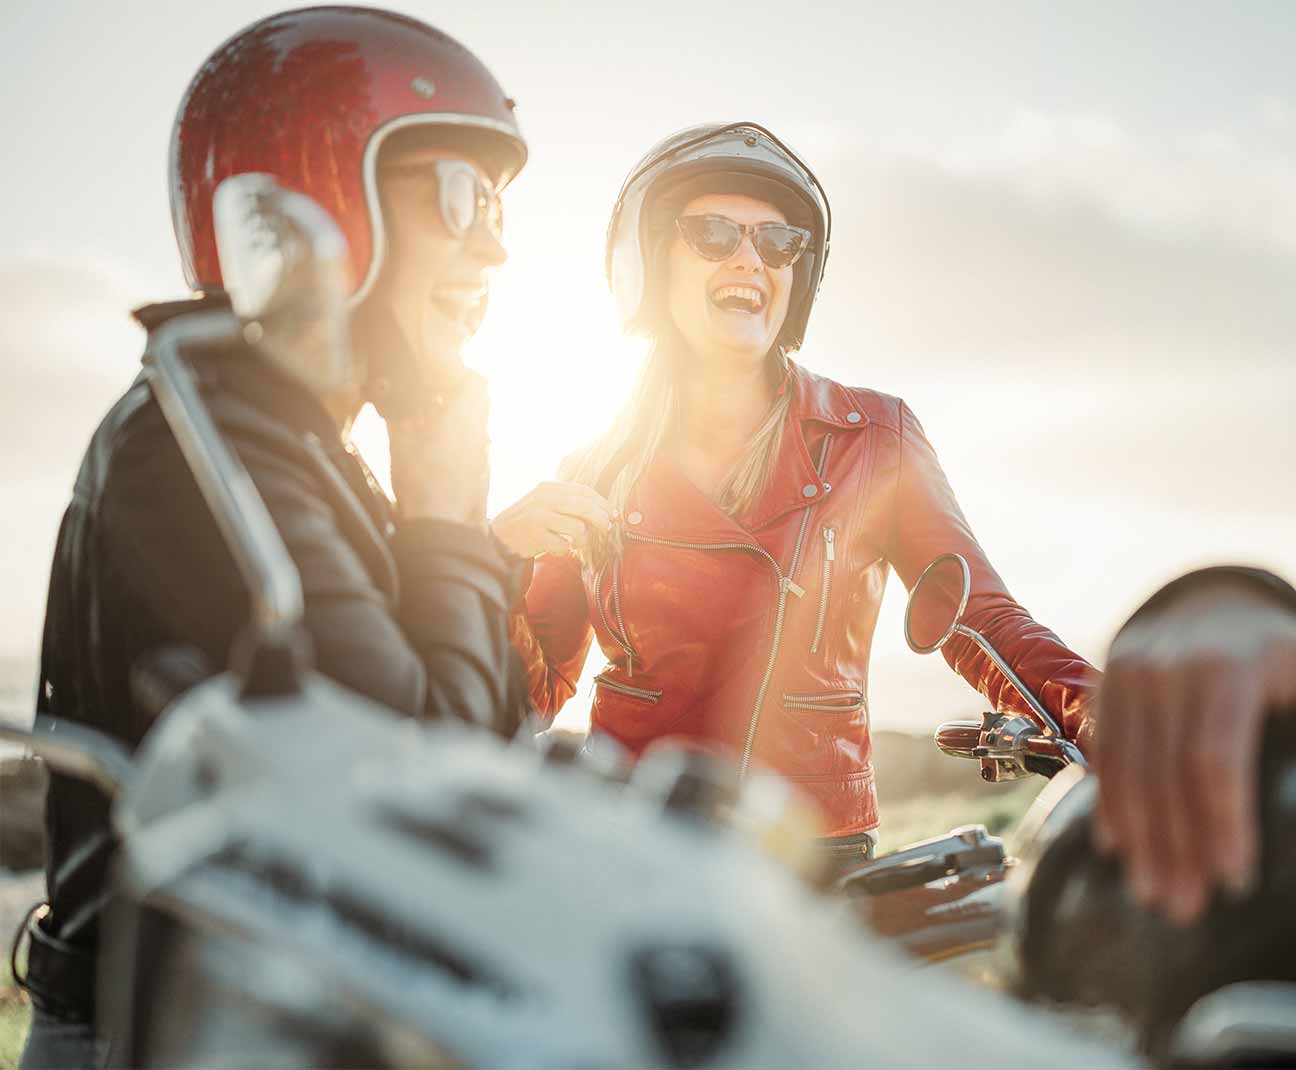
<point x="440" y="462"/>
<point x="551" y="519"/>
<point x="1181" y="712"/>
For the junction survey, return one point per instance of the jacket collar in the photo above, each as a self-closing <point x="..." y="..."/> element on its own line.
<point x="242" y="373"/>
<point x="667" y="505"/>
<point x="820" y="399"/>
<point x="818" y="407"/>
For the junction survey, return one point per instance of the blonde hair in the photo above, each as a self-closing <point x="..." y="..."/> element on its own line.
<point x="646" y="421"/>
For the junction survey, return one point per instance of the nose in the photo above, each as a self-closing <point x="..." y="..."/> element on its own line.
<point x="745" y="257"/>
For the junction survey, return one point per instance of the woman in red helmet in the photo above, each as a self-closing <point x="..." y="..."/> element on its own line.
<point x="760" y="506"/>
<point x="406" y="139"/>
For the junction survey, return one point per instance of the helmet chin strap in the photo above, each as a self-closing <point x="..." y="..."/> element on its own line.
<point x="778" y="366"/>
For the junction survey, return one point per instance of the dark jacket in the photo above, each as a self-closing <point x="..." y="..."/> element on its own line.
<point x="409" y="613"/>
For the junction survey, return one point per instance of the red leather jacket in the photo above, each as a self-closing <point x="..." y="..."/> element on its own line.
<point x="755" y="633"/>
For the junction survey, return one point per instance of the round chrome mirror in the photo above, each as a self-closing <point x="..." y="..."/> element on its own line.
<point x="936" y="603"/>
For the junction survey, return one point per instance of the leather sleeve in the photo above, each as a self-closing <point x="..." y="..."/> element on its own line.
<point x="551" y="632"/>
<point x="927" y="523"/>
<point x="443" y="651"/>
<point x="456" y="589"/>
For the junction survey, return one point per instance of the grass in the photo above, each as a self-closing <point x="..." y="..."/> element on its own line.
<point x="998" y="806"/>
<point x="15" y="1016"/>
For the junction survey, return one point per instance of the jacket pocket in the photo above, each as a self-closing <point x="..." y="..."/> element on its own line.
<point x="825" y="588"/>
<point x="644" y="694"/>
<point x="846" y="700"/>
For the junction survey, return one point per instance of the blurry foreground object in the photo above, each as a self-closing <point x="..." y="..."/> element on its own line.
<point x="1193" y="677"/>
<point x="1062" y="924"/>
<point x="285" y="267"/>
<point x="388" y="895"/>
<point x="1076" y="934"/>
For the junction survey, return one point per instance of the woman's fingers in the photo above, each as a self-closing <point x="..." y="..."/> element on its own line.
<point x="572" y="529"/>
<point x="1143" y="784"/>
<point x="549" y="543"/>
<point x="1181" y="714"/>
<point x="1186" y="890"/>
<point x="552" y="518"/>
<point x="1227" y="765"/>
<point x="577" y="500"/>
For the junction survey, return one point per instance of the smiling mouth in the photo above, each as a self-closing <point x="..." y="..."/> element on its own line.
<point x="456" y="303"/>
<point x="746" y="299"/>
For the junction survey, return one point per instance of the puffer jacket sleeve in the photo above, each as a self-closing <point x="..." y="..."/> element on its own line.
<point x="927" y="523"/>
<point x="551" y="632"/>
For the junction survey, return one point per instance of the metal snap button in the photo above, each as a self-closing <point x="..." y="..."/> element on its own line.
<point x="635" y="518"/>
<point x="827" y="487"/>
<point x="853" y="417"/>
<point x="809" y="490"/>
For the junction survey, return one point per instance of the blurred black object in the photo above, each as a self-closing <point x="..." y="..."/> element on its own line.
<point x="22" y="815"/>
<point x="1079" y="937"/>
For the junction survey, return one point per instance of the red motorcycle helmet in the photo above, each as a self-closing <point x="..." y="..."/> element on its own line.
<point x="310" y="96"/>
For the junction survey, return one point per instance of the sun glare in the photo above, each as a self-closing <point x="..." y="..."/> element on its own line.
<point x="552" y="391"/>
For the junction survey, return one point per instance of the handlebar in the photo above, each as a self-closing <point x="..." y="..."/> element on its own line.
<point x="76" y="751"/>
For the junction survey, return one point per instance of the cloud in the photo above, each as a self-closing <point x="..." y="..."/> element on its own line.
<point x="68" y="347"/>
<point x="1068" y="239"/>
<point x="1231" y="183"/>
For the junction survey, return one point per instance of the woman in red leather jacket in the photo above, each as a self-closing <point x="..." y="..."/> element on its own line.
<point x="728" y="540"/>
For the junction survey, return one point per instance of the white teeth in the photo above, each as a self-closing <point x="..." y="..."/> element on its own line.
<point x="743" y="293"/>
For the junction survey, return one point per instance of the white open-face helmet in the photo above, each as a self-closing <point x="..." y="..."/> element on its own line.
<point x="740" y="157"/>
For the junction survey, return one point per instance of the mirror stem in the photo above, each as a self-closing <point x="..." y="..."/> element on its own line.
<point x="272" y="644"/>
<point x="1041" y="714"/>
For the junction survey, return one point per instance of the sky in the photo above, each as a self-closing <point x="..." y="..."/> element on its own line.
<point x="1065" y="234"/>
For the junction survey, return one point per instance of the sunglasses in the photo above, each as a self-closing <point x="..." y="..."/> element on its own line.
<point x="717" y="237"/>
<point x="462" y="197"/>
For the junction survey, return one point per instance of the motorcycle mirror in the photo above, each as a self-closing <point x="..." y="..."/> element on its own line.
<point x="936" y="603"/>
<point x="285" y="267"/>
<point x="934" y="614"/>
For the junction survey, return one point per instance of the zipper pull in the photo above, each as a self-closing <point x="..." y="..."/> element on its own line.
<point x="787" y="585"/>
<point x="830" y="537"/>
<point x="629" y="664"/>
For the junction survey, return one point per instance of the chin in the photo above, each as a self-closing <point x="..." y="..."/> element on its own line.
<point x="724" y="353"/>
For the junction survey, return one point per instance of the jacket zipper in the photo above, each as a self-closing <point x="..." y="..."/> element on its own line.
<point x="786" y="585"/>
<point x="830" y="701"/>
<point x="635" y="692"/>
<point x="616" y="605"/>
<point x="598" y="600"/>
<point x="830" y="555"/>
